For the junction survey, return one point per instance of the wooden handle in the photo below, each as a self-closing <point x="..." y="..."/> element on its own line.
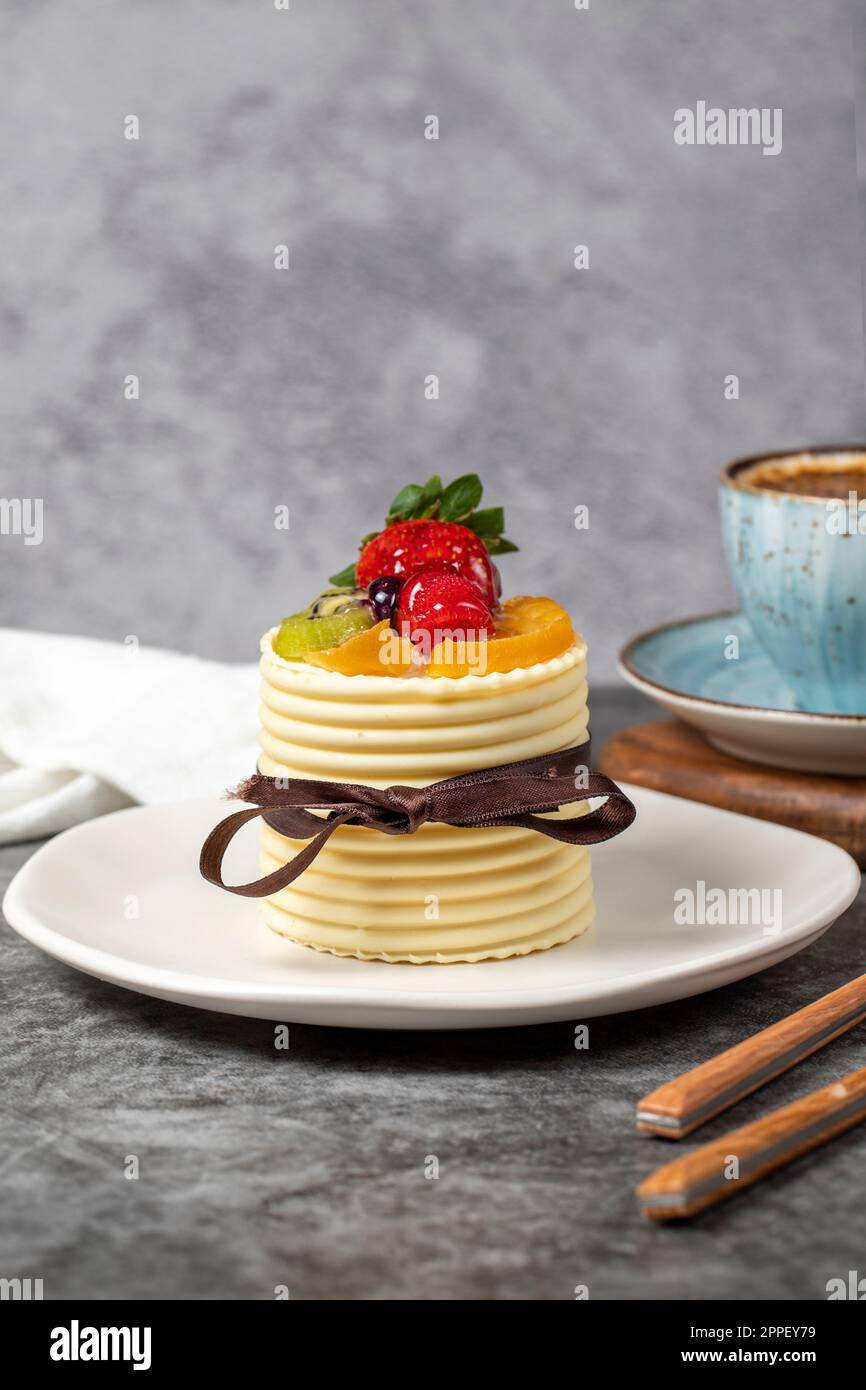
<point x="678" y="1107"/>
<point x="721" y="1169"/>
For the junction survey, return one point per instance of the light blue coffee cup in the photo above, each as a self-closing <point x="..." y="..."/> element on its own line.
<point x="799" y="565"/>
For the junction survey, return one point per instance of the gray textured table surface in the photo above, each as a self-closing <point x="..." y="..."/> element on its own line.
<point x="306" y="1168"/>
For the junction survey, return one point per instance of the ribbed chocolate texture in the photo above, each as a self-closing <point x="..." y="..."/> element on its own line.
<point x="442" y="894"/>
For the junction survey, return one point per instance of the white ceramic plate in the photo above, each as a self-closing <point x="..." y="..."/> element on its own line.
<point x="742" y="706"/>
<point x="193" y="944"/>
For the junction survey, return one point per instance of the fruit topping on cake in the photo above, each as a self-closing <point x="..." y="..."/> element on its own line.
<point x="528" y="630"/>
<point x="338" y="601"/>
<point x="454" y="505"/>
<point x="384" y="593"/>
<point x="330" y="619"/>
<point x="424" y="597"/>
<point x="435" y="600"/>
<point x="409" y="546"/>
<point x="362" y="655"/>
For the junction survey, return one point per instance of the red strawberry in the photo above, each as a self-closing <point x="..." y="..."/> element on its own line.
<point x="408" y="546"/>
<point x="438" y="600"/>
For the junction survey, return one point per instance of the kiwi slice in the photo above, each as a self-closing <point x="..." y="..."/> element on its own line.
<point x="300" y="633"/>
<point x="337" y="601"/>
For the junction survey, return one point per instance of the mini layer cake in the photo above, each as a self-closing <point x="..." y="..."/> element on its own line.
<point x="411" y="670"/>
<point x="443" y="894"/>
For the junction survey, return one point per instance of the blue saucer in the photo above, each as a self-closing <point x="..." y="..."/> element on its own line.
<point x="712" y="673"/>
<point x="689" y="658"/>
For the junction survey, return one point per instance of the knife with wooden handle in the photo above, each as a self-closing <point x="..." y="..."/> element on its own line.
<point x="680" y="1106"/>
<point x="726" y="1166"/>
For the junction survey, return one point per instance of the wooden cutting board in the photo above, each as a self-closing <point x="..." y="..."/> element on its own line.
<point x="670" y="757"/>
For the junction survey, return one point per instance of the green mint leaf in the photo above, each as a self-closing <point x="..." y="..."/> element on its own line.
<point x="460" y="497"/>
<point x="370" y="536"/>
<point x="499" y="545"/>
<point x="488" y="524"/>
<point x="345" y="579"/>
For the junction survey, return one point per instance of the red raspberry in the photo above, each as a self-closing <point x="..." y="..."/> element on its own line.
<point x="437" y="601"/>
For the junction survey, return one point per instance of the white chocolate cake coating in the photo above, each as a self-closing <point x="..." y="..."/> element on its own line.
<point x="443" y="894"/>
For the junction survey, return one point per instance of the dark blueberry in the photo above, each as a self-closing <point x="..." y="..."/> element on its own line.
<point x="384" y="593"/>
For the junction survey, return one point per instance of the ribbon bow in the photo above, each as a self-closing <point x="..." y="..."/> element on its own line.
<point x="513" y="794"/>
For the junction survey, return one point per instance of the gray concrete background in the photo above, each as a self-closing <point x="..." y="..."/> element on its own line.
<point x="305" y="387"/>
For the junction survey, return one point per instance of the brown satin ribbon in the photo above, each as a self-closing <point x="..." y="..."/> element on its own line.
<point x="513" y="794"/>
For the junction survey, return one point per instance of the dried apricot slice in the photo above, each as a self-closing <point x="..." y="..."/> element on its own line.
<point x="528" y="630"/>
<point x="375" y="652"/>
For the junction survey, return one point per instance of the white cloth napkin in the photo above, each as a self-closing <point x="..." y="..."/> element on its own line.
<point x="88" y="727"/>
